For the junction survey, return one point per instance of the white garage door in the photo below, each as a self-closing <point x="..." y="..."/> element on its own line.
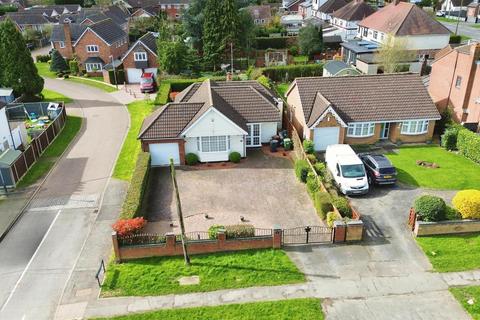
<point x="134" y="75"/>
<point x="162" y="152"/>
<point x="323" y="137"/>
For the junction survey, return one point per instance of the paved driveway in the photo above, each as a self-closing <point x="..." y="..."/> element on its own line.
<point x="262" y="189"/>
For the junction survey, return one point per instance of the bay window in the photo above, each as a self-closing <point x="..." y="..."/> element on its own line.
<point x="414" y="127"/>
<point x="359" y="130"/>
<point x="213" y="144"/>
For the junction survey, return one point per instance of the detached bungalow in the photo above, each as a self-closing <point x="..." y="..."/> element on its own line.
<point x="212" y="119"/>
<point x="362" y="109"/>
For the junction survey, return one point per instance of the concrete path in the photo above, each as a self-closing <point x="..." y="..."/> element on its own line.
<point x="38" y="255"/>
<point x="464" y="28"/>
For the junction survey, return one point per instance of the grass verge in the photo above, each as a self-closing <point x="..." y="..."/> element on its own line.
<point x="449" y="253"/>
<point x="295" y="309"/>
<point x="159" y="275"/>
<point x="131" y="147"/>
<point x="443" y="19"/>
<point x="452" y="173"/>
<point x="44" y="70"/>
<point x="94" y="84"/>
<point x="49" y="95"/>
<point x="464" y="296"/>
<point x="48" y="158"/>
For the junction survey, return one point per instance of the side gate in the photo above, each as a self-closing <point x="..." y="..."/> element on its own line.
<point x="306" y="235"/>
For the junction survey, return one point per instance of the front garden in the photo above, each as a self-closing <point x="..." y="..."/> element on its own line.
<point x="160" y="275"/>
<point x="469" y="298"/>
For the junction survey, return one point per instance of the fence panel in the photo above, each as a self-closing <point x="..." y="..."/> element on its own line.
<point x="29" y="155"/>
<point x="50" y="133"/>
<point x="20" y="166"/>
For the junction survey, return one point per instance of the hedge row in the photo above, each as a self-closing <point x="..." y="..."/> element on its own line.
<point x="263" y="43"/>
<point x="468" y="143"/>
<point x="133" y="201"/>
<point x="162" y="94"/>
<point x="290" y="72"/>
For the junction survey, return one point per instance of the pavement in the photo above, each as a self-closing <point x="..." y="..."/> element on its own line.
<point x="40" y="252"/>
<point x="464" y="28"/>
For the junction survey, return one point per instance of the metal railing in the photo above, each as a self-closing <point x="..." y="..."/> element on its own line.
<point x="100" y="271"/>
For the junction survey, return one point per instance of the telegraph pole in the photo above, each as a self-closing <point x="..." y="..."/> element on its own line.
<point x="180" y="213"/>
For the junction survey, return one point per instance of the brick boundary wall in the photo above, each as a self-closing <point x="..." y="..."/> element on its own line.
<point x="423" y="228"/>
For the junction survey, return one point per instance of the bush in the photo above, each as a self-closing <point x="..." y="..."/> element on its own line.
<point x="255" y="74"/>
<point x="213" y="230"/>
<point x="320" y="168"/>
<point x="191" y="159"/>
<point x="449" y="138"/>
<point x="312" y="158"/>
<point x="322" y="203"/>
<point x="430" y="208"/>
<point x="342" y="206"/>
<point x="234" y="157"/>
<point x="290" y="72"/>
<point x="133" y="200"/>
<point x="455" y="38"/>
<point x="331" y="217"/>
<point x="312" y="184"/>
<point x="467" y="202"/>
<point x="263" y="43"/>
<point x="43" y="58"/>
<point x="126" y="227"/>
<point x="294" y="50"/>
<point x="468" y="143"/>
<point x="73" y="64"/>
<point x="163" y="93"/>
<point x="301" y="170"/>
<point x="239" y="231"/>
<point x="308" y="146"/>
<point x="264" y="81"/>
<point x="452" y="214"/>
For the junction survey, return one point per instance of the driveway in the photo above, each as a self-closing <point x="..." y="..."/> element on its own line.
<point x="262" y="189"/>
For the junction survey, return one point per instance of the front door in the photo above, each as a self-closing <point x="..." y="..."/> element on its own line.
<point x="253" y="138"/>
<point x="385" y="130"/>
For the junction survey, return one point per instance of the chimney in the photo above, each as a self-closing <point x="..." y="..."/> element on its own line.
<point x="68" y="39"/>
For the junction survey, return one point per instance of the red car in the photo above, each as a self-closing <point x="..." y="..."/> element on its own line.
<point x="148" y="83"/>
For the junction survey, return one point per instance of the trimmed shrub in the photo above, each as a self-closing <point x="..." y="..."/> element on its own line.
<point x="234" y="157"/>
<point x="301" y="170"/>
<point x="452" y="214"/>
<point x="126" y="227"/>
<point x="331" y="217"/>
<point x="308" y="146"/>
<point x="43" y="58"/>
<point x="312" y="184"/>
<point x="73" y="64"/>
<point x="239" y="231"/>
<point x="133" y="200"/>
<point x="430" y="208"/>
<point x="454" y="38"/>
<point x="467" y="202"/>
<point x="294" y="50"/>
<point x="312" y="158"/>
<point x="191" y="159"/>
<point x="263" y="43"/>
<point x="342" y="206"/>
<point x="319" y="168"/>
<point x="468" y="143"/>
<point x="212" y="231"/>
<point x="449" y="138"/>
<point x="264" y="81"/>
<point x="162" y="94"/>
<point x="290" y="72"/>
<point x="322" y="203"/>
<point x="255" y="74"/>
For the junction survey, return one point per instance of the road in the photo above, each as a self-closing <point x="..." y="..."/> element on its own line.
<point x="464" y="29"/>
<point x="38" y="255"/>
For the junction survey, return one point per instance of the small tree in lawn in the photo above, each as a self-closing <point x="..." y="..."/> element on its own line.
<point x="310" y="40"/>
<point x="57" y="64"/>
<point x="393" y="52"/>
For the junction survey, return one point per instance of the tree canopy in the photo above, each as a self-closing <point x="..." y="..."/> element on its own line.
<point x="310" y="40"/>
<point x="393" y="55"/>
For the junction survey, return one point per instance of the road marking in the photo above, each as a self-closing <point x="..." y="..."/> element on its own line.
<point x="30" y="262"/>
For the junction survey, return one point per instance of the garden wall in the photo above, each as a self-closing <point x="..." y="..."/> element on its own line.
<point x="423" y="228"/>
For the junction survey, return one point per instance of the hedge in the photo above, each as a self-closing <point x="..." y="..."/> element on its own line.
<point x="133" y="201"/>
<point x="449" y="138"/>
<point x="342" y="206"/>
<point x="301" y="170"/>
<point x="163" y="92"/>
<point x="322" y="203"/>
<point x="290" y="72"/>
<point x="468" y="144"/>
<point x="264" y="43"/>
<point x="467" y="202"/>
<point x="232" y="231"/>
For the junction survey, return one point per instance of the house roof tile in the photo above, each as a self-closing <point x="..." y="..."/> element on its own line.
<point x="108" y="30"/>
<point x="354" y="11"/>
<point x="332" y="5"/>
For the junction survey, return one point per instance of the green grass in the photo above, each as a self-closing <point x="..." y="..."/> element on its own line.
<point x="295" y="309"/>
<point x="49" y="95"/>
<point x="443" y="19"/>
<point x="464" y="38"/>
<point x="463" y="295"/>
<point x="44" y="70"/>
<point x="282" y="88"/>
<point x="95" y="84"/>
<point x="476" y="26"/>
<point x="300" y="59"/>
<point x="128" y="156"/>
<point x="456" y="172"/>
<point x="159" y="275"/>
<point x="48" y="158"/>
<point x="452" y="252"/>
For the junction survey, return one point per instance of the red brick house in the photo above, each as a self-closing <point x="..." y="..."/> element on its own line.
<point x="142" y="8"/>
<point x="93" y="45"/>
<point x="455" y="82"/>
<point x="140" y="58"/>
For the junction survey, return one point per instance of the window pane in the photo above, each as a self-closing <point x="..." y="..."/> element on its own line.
<point x="350" y="130"/>
<point x="358" y="130"/>
<point x="365" y="129"/>
<point x="222" y="143"/>
<point x="205" y="144"/>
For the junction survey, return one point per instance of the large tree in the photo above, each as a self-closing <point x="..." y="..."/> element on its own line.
<point x="192" y="20"/>
<point x="213" y="34"/>
<point x="17" y="70"/>
<point x="393" y="54"/>
<point x="310" y="40"/>
<point x="172" y="56"/>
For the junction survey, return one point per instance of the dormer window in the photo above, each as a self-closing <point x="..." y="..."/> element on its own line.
<point x="140" y="56"/>
<point x="61" y="44"/>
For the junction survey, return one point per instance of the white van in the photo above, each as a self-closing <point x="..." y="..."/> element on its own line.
<point x="347" y="169"/>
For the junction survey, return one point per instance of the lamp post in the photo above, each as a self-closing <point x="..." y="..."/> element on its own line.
<point x="114" y="73"/>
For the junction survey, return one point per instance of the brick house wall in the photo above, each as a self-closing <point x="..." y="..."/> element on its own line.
<point x="395" y="134"/>
<point x="129" y="62"/>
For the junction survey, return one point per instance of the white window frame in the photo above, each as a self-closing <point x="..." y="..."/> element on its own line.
<point x="91" y="67"/>
<point x="251" y="137"/>
<point x="213" y="141"/>
<point x="140" y="56"/>
<point x="92" y="48"/>
<point x="414" y="127"/>
<point x="361" y="129"/>
<point x="61" y="44"/>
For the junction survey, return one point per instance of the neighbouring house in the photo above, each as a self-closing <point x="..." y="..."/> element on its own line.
<point x="212" y="119"/>
<point x="292" y="23"/>
<point x="455" y="5"/>
<point x="326" y="9"/>
<point x="335" y="68"/>
<point x="473" y="12"/>
<point x="24" y="21"/>
<point x="140" y="58"/>
<point x="146" y="12"/>
<point x="118" y="15"/>
<point x="173" y="8"/>
<point x="362" y="109"/>
<point x="94" y="45"/>
<point x="347" y="17"/>
<point x="261" y="15"/>
<point x="455" y="82"/>
<point x="403" y="21"/>
<point x="291" y="6"/>
<point x="305" y="9"/>
<point x="20" y="4"/>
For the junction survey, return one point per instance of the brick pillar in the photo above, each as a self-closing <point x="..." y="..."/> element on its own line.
<point x="116" y="248"/>
<point x="339" y="231"/>
<point x="221" y="238"/>
<point x="277" y="237"/>
<point x="170" y="243"/>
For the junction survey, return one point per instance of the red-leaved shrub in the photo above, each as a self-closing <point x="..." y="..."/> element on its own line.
<point x="126" y="227"/>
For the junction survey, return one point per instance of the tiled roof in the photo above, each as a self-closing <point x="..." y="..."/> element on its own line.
<point x="97" y="17"/>
<point x="354" y="11"/>
<point x="332" y="5"/>
<point x="150" y="41"/>
<point x="22" y="18"/>
<point x="116" y="14"/>
<point x="320" y="105"/>
<point x="388" y="97"/>
<point x="58" y="34"/>
<point x="260" y="12"/>
<point x="403" y="19"/>
<point x="463" y="3"/>
<point x="108" y="30"/>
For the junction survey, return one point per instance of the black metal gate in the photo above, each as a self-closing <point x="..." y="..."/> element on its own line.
<point x="307" y="234"/>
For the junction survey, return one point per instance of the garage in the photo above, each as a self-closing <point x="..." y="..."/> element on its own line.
<point x="134" y="75"/>
<point x="162" y="152"/>
<point x="323" y="137"/>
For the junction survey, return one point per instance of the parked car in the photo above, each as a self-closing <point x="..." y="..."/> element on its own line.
<point x="440" y="13"/>
<point x="379" y="169"/>
<point x="148" y="83"/>
<point x="347" y="169"/>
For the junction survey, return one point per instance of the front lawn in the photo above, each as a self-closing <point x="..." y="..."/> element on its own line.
<point x="295" y="309"/>
<point x="452" y="252"/>
<point x="466" y="295"/>
<point x="476" y="26"/>
<point x="55" y="150"/>
<point x="456" y="172"/>
<point x="44" y="70"/>
<point x="93" y="83"/>
<point x="159" y="275"/>
<point x="131" y="147"/>
<point x="49" y="95"/>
